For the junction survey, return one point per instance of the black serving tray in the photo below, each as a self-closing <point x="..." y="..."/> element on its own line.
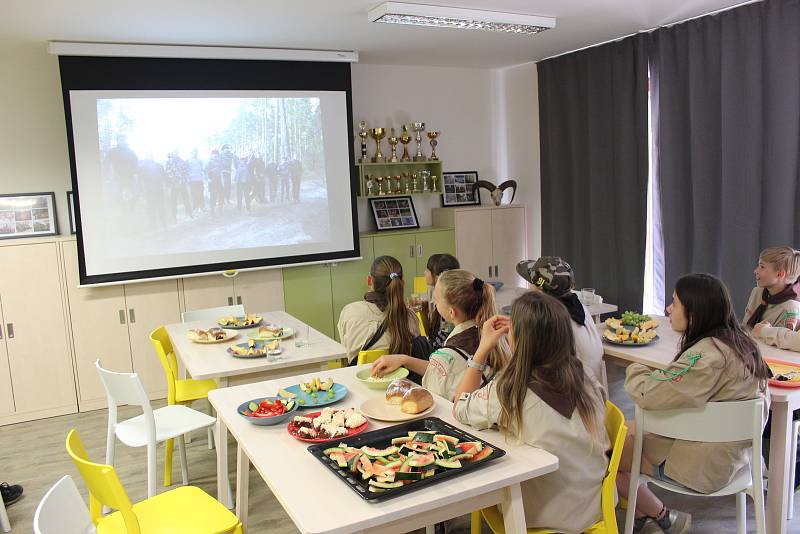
<point x="382" y="438"/>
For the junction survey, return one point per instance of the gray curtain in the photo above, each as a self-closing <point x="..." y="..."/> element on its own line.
<point x="727" y="112"/>
<point x="594" y="164"/>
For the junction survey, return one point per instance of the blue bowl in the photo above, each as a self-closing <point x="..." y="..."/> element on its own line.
<point x="265" y="421"/>
<point x="496" y="285"/>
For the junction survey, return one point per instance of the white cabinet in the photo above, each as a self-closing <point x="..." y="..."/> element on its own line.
<point x="36" y="373"/>
<point x="490" y="240"/>
<point x="258" y="291"/>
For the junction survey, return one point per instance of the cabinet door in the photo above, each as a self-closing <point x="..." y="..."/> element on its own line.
<point x="259" y="291"/>
<point x="509" y="244"/>
<point x="99" y="330"/>
<point x="39" y="356"/>
<point x="201" y="292"/>
<point x="474" y="241"/>
<point x="6" y="391"/>
<point x="150" y="305"/>
<point x="307" y="294"/>
<point x="429" y="243"/>
<point x="403" y="248"/>
<point x="349" y="279"/>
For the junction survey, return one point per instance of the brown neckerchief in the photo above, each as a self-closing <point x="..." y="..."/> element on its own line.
<point x="378" y="299"/>
<point x="555" y="399"/>
<point x="468" y="340"/>
<point x="790" y="292"/>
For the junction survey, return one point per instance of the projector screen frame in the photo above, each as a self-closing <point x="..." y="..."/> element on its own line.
<point x="82" y="73"/>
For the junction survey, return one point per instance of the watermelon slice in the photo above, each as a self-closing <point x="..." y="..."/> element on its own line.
<point x="375" y="453"/>
<point x="422" y="460"/>
<point x="339" y="458"/>
<point x="485" y="453"/>
<point x="449" y="464"/>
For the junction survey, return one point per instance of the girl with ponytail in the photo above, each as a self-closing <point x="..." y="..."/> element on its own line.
<point x="381" y="320"/>
<point x="465" y="301"/>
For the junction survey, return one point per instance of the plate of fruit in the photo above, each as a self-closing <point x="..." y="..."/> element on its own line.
<point x="327" y="425"/>
<point x="212" y="335"/>
<point x="255" y="349"/>
<point x="271" y="331"/>
<point x="631" y="320"/>
<point x="248" y="321"/>
<point x="314" y="393"/>
<point x="633" y="338"/>
<point x="266" y="411"/>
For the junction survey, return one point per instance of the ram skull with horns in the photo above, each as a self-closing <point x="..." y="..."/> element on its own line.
<point x="496" y="191"/>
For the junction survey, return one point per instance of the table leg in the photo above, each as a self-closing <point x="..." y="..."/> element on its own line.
<point x="242" y="485"/>
<point x="513" y="512"/>
<point x="224" y="493"/>
<point x="778" y="492"/>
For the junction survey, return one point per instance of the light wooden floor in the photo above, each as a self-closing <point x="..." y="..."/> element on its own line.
<point x="33" y="454"/>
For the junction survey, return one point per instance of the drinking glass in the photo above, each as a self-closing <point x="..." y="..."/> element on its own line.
<point x="301" y="336"/>
<point x="587" y="296"/>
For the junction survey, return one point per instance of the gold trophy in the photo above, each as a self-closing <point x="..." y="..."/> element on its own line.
<point x="378" y="134"/>
<point x="419" y="127"/>
<point x="380" y="185"/>
<point x="397" y="188"/>
<point x="434" y="178"/>
<point x="363" y="134"/>
<point x="432" y="135"/>
<point x="405" y="138"/>
<point x="393" y="140"/>
<point x="414" y="181"/>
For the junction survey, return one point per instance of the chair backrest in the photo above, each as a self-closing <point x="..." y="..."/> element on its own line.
<point x="62" y="511"/>
<point x="420" y="285"/>
<point x="123" y="388"/>
<point x="617" y="431"/>
<point x="369" y="356"/>
<point x="422" y="330"/>
<point x="716" y="422"/>
<point x="166" y="355"/>
<point x="105" y="489"/>
<point x="212" y="314"/>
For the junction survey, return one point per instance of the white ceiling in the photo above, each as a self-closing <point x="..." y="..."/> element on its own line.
<point x="340" y="24"/>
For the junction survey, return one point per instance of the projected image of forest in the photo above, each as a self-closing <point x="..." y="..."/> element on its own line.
<point x="196" y="174"/>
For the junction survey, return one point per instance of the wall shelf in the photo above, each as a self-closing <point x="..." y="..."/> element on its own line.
<point x="373" y="170"/>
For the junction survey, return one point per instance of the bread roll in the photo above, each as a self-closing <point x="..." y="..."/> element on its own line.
<point x="416" y="400"/>
<point x="396" y="390"/>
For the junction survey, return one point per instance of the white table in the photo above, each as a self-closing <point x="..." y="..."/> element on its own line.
<point x="204" y="361"/>
<point x="507" y="295"/>
<point x="296" y="478"/>
<point x="782" y="403"/>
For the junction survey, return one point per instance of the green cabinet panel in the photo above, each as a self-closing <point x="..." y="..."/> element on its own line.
<point x="403" y="248"/>
<point x="349" y="279"/>
<point x="430" y="243"/>
<point x="307" y="295"/>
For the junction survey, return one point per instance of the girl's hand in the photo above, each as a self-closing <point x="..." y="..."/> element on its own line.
<point x="759" y="327"/>
<point x="494" y="329"/>
<point x="386" y="364"/>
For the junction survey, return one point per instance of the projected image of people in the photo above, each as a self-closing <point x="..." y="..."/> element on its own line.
<point x="190" y="175"/>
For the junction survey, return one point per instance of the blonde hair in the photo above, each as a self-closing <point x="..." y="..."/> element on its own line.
<point x="785" y="258"/>
<point x="475" y="299"/>
<point x="387" y="280"/>
<point x="544" y="354"/>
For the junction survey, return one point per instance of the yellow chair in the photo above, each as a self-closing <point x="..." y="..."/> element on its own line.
<point x="617" y="430"/>
<point x="420" y="285"/>
<point x="422" y="329"/>
<point x="369" y="356"/>
<point x="184" y="510"/>
<point x="179" y="391"/>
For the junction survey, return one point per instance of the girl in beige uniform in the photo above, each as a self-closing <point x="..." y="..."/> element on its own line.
<point x="775" y="298"/>
<point x="438" y="328"/>
<point x="544" y="398"/>
<point x="716" y="361"/>
<point x="465" y="301"/>
<point x="381" y="320"/>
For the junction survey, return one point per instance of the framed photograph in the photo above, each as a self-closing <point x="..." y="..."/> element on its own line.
<point x="71" y="210"/>
<point x="457" y="188"/>
<point x="28" y="215"/>
<point x="396" y="213"/>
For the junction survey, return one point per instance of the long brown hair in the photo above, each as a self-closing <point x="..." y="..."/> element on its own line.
<point x="437" y="264"/>
<point x="463" y="290"/>
<point x="387" y="281"/>
<point x="544" y="355"/>
<point x="709" y="313"/>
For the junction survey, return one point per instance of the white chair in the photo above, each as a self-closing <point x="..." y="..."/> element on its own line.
<point x="150" y="428"/>
<point x="717" y="422"/>
<point x="5" y="524"/>
<point x="62" y="511"/>
<point x="792" y="461"/>
<point x="212" y="314"/>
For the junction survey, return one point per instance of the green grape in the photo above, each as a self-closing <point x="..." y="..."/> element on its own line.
<point x="633" y="318"/>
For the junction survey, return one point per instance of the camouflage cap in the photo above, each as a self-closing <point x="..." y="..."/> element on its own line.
<point x="549" y="273"/>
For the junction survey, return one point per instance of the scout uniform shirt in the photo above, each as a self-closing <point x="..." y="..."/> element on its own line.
<point x="568" y="499"/>
<point x="359" y="321"/>
<point x="446" y="366"/>
<point x="775" y="314"/>
<point x="708" y="371"/>
<point x="780" y="337"/>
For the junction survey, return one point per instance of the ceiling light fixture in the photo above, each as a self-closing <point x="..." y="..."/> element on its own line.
<point x="460" y="18"/>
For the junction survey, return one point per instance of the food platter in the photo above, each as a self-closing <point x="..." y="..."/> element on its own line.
<point x="294" y="430"/>
<point x="240" y="323"/>
<point x="254" y="349"/>
<point x="788" y="371"/>
<point x="196" y="335"/>
<point x="315" y="399"/>
<point x="263" y="336"/>
<point x="377" y="408"/>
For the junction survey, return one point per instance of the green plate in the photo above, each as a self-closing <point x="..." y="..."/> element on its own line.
<point x="287" y="332"/>
<point x="364" y="374"/>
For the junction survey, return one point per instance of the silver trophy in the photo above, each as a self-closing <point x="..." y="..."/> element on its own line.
<point x="370" y="183"/>
<point x="425" y="175"/>
<point x="419" y="127"/>
<point x="408" y="185"/>
<point x="414" y="182"/>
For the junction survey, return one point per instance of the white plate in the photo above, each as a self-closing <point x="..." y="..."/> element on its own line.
<point x="229" y="334"/>
<point x="378" y="408"/>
